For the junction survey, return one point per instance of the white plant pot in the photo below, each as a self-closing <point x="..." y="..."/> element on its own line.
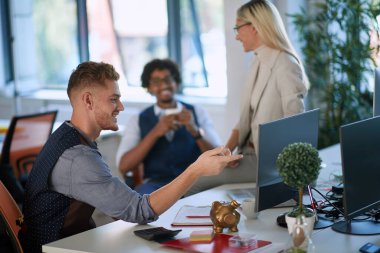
<point x="290" y="221"/>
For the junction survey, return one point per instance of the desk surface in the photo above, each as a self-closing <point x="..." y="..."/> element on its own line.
<point x="118" y="236"/>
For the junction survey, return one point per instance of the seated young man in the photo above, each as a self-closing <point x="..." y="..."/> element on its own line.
<point x="70" y="179"/>
<point x="167" y="136"/>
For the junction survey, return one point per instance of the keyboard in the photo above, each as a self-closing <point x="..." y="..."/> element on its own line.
<point x="250" y="193"/>
<point x="242" y="194"/>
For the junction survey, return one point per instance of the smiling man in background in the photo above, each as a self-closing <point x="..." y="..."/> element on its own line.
<point x="167" y="136"/>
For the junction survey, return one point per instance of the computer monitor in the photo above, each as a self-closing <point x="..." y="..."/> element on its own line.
<point x="273" y="138"/>
<point x="376" y="94"/>
<point x="360" y="151"/>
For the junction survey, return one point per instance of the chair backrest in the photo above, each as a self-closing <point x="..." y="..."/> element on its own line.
<point x="25" y="138"/>
<point x="11" y="214"/>
<point x="135" y="177"/>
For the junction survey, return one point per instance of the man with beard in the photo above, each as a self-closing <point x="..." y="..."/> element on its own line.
<point x="70" y="179"/>
<point x="166" y="137"/>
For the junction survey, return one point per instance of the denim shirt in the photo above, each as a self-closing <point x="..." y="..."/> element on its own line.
<point x="82" y="174"/>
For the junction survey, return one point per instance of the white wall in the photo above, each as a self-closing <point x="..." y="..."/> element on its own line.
<point x="237" y="67"/>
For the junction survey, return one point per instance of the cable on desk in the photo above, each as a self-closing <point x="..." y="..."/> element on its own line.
<point x="337" y="212"/>
<point x="331" y="213"/>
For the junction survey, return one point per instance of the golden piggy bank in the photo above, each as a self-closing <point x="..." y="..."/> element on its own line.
<point x="225" y="216"/>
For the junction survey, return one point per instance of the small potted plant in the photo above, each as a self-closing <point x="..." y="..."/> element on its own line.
<point x="299" y="165"/>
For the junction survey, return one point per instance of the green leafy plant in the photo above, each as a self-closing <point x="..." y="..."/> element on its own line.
<point x="299" y="165"/>
<point x="338" y="56"/>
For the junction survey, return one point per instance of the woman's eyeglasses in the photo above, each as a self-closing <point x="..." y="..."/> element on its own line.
<point x="236" y="28"/>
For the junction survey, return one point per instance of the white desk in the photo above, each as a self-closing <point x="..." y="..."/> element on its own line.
<point x="118" y="236"/>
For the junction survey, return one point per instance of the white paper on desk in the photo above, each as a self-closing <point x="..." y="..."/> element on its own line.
<point x="193" y="216"/>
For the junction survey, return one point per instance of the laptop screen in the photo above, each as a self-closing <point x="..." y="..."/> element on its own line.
<point x="360" y="151"/>
<point x="273" y="138"/>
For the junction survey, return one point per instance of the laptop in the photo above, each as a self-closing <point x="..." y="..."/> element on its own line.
<point x="270" y="191"/>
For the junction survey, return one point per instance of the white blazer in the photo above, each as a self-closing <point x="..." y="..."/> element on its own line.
<point x="275" y="89"/>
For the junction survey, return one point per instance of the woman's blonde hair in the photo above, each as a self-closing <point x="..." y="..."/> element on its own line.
<point x="263" y="15"/>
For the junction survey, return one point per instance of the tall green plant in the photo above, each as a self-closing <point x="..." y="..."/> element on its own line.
<point x="335" y="37"/>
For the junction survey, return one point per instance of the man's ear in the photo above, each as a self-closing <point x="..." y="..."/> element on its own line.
<point x="87" y="100"/>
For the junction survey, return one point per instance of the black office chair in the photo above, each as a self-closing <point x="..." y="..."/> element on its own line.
<point x="135" y="178"/>
<point x="24" y="140"/>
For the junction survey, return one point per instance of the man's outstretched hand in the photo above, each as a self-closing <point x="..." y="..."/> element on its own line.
<point x="212" y="162"/>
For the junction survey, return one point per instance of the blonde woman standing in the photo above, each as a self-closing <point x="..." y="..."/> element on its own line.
<point x="275" y="88"/>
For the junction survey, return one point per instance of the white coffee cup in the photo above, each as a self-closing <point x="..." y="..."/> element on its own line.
<point x="248" y="208"/>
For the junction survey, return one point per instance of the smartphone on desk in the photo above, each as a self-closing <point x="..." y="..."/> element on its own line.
<point x="370" y="248"/>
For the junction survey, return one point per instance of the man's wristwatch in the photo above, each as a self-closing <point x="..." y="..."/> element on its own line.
<point x="199" y="134"/>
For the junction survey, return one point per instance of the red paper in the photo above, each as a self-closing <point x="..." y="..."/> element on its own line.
<point x="218" y="245"/>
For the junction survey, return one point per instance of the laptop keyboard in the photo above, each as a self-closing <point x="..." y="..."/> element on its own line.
<point x="248" y="193"/>
<point x="241" y="194"/>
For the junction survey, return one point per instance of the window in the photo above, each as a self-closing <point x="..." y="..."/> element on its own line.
<point x="128" y="34"/>
<point x="6" y="42"/>
<point x="55" y="40"/>
<point x="203" y="48"/>
<point x="51" y="42"/>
